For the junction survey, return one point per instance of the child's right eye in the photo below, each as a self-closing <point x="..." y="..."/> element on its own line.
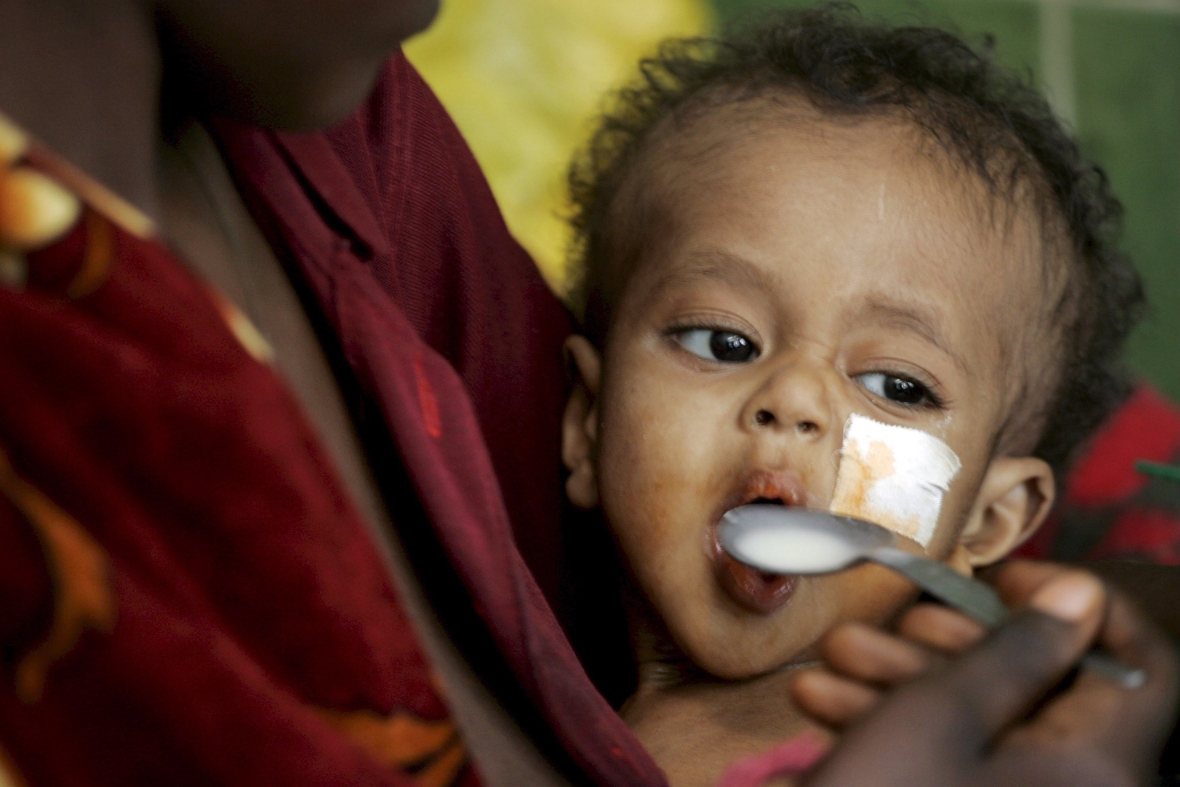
<point x="717" y="345"/>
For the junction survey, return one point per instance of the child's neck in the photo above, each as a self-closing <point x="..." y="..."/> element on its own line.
<point x="83" y="77"/>
<point x="659" y="662"/>
<point x="692" y="723"/>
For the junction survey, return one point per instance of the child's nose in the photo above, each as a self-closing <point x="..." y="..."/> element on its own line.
<point x="794" y="398"/>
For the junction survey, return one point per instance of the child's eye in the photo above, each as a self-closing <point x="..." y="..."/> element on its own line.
<point x="898" y="389"/>
<point x="717" y="345"/>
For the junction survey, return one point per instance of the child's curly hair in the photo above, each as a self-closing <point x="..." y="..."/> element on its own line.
<point x="983" y="116"/>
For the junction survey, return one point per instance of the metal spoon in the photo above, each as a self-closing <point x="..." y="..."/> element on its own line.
<point x="786" y="540"/>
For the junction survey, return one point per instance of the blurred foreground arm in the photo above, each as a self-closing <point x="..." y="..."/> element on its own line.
<point x="1154" y="589"/>
<point x="914" y="716"/>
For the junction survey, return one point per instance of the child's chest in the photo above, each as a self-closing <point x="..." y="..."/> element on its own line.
<point x="696" y="731"/>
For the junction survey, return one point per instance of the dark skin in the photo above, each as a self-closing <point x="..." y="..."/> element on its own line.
<point x="1094" y="733"/>
<point x="291" y="65"/>
<point x="284" y="64"/>
<point x="1154" y="588"/>
<point x="84" y="76"/>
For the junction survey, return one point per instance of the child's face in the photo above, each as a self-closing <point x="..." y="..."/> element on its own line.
<point x="805" y="271"/>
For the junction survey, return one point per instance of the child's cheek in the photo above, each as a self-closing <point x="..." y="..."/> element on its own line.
<point x="650" y="458"/>
<point x="893" y="475"/>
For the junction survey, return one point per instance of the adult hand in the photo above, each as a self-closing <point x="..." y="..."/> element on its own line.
<point x="941" y="704"/>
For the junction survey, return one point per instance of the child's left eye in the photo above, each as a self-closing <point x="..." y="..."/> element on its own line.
<point x="897" y="389"/>
<point x="717" y="345"/>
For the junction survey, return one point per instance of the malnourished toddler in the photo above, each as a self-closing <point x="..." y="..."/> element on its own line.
<point x="830" y="265"/>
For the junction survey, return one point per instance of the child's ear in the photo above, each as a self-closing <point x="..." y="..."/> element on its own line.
<point x="1013" y="501"/>
<point x="579" y="427"/>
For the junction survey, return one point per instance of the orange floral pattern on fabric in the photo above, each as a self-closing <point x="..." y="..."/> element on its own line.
<point x="97" y="260"/>
<point x="430" y="750"/>
<point x="34" y="209"/>
<point x="42" y="198"/>
<point x="9" y="775"/>
<point x="83" y="597"/>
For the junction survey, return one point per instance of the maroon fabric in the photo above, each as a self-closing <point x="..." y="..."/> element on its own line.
<point x="248" y="599"/>
<point x="405" y="182"/>
<point x="449" y="328"/>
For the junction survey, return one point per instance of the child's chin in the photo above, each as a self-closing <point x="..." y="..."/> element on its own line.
<point x="740" y="660"/>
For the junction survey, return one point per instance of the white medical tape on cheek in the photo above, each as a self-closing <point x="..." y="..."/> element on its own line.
<point x="893" y="475"/>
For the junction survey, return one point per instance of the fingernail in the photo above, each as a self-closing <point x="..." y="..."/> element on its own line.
<point x="1070" y="597"/>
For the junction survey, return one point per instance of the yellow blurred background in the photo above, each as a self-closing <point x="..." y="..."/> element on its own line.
<point x="524" y="80"/>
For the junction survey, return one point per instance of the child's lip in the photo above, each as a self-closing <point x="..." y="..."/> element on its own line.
<point x="781" y="486"/>
<point x="755" y="590"/>
<point x="750" y="588"/>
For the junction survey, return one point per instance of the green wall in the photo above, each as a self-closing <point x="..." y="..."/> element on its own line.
<point x="1112" y="67"/>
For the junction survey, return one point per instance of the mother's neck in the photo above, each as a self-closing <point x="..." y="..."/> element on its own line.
<point x="83" y="76"/>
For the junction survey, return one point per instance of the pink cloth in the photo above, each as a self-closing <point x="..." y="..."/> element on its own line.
<point x="792" y="758"/>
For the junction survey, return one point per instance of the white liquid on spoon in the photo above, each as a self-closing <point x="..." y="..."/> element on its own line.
<point x="795" y="551"/>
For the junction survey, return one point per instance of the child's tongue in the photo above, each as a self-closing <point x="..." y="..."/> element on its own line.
<point x="753" y="589"/>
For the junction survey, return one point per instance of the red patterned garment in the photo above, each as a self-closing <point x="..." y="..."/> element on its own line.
<point x="1110" y="510"/>
<point x="187" y="595"/>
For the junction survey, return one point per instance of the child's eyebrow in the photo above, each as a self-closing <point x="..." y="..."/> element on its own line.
<point x="717" y="265"/>
<point x="912" y="317"/>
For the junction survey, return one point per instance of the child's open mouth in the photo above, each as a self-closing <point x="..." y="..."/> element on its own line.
<point x="755" y="590"/>
<point x="752" y="589"/>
